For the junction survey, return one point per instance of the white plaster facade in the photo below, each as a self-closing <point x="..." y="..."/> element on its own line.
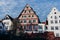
<point x="54" y="22"/>
<point x="8" y="24"/>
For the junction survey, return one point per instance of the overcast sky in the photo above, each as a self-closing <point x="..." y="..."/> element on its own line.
<point x="41" y="7"/>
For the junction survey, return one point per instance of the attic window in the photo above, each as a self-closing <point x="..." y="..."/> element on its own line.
<point x="26" y="7"/>
<point x="54" y="9"/>
<point x="54" y="12"/>
<point x="25" y="11"/>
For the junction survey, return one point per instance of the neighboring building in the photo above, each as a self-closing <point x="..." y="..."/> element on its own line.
<point x="28" y="19"/>
<point x="53" y="20"/>
<point x="41" y="28"/>
<point x="8" y="24"/>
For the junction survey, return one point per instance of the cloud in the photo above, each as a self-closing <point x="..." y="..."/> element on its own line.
<point x="14" y="7"/>
<point x="1" y="3"/>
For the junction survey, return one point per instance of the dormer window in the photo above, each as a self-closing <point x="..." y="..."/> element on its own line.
<point x="54" y="12"/>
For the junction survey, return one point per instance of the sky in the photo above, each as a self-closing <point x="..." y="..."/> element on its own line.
<point x="41" y="7"/>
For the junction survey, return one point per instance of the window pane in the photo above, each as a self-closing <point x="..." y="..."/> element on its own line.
<point x="40" y="27"/>
<point x="51" y="21"/>
<point x="54" y="12"/>
<point x="34" y="20"/>
<point x="24" y="27"/>
<point x="56" y="28"/>
<point x="30" y="21"/>
<point x="51" y="16"/>
<point x="57" y="34"/>
<point x="52" y="28"/>
<point x="55" y="17"/>
<point x="29" y="15"/>
<point x="35" y="27"/>
<point x="25" y="16"/>
<point x="24" y="21"/>
<point x="56" y="21"/>
<point x="30" y="28"/>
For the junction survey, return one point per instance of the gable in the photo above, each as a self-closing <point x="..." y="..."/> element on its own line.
<point x="27" y="11"/>
<point x="54" y="12"/>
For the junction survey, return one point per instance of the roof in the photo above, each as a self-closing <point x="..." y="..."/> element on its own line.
<point x="8" y="17"/>
<point x="27" y="5"/>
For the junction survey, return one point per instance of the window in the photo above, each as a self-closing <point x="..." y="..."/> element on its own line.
<point x="26" y="7"/>
<point x="59" y="16"/>
<point x="59" y="21"/>
<point x="29" y="11"/>
<point x="35" y="27"/>
<point x="52" y="28"/>
<point x="25" y="16"/>
<point x="30" y="21"/>
<point x="24" y="21"/>
<point x="30" y="28"/>
<point x="57" y="34"/>
<point x="34" y="20"/>
<point x="56" y="28"/>
<point x="54" y="12"/>
<point x="25" y="11"/>
<point x="51" y="21"/>
<point x="32" y="15"/>
<point x="25" y="27"/>
<point x="40" y="27"/>
<point x="54" y="9"/>
<point x="29" y="15"/>
<point x="56" y="21"/>
<point x="51" y="16"/>
<point x="55" y="17"/>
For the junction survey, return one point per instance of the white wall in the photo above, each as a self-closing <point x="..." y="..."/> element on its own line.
<point x="8" y="23"/>
<point x="52" y="13"/>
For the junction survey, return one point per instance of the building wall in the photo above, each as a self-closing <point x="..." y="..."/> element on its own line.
<point x="8" y="24"/>
<point x="54" y="22"/>
<point x="28" y="18"/>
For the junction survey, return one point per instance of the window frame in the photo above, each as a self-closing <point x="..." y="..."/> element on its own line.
<point x="52" y="28"/>
<point x="56" y="28"/>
